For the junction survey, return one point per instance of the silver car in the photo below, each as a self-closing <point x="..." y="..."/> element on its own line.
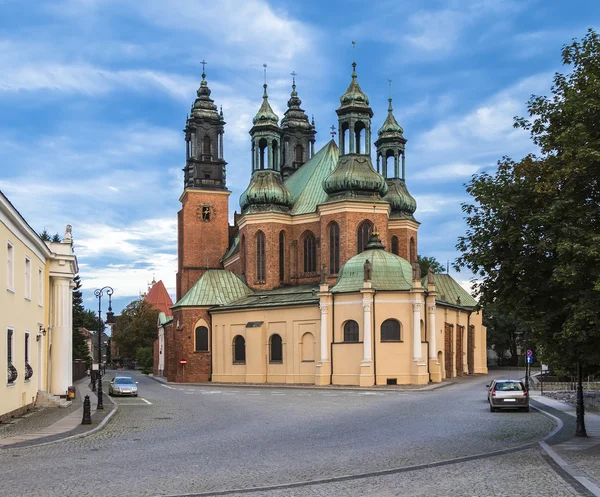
<point x="508" y="394"/>
<point x="123" y="385"/>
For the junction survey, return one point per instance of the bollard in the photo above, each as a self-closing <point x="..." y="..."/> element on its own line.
<point x="87" y="411"/>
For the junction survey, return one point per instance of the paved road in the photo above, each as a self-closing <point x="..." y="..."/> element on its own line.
<point x="194" y="439"/>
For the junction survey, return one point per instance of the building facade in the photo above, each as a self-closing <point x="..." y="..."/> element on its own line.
<point x="316" y="281"/>
<point x="36" y="318"/>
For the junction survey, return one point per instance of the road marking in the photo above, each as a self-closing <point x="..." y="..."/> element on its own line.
<point x="276" y="393"/>
<point x="170" y="388"/>
<point x="253" y="394"/>
<point x="210" y="392"/>
<point x="147" y="402"/>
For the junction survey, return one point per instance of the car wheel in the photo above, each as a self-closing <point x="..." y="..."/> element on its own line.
<point x="492" y="408"/>
<point x="525" y="409"/>
<point x="135" y="395"/>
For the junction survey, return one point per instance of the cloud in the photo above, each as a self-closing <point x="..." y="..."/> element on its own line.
<point x="446" y="172"/>
<point x="434" y="203"/>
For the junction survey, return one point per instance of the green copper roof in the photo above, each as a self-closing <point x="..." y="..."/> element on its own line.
<point x="389" y="272"/>
<point x="297" y="295"/>
<point x="235" y="245"/>
<point x="390" y="125"/>
<point x="266" y="192"/>
<point x="450" y="292"/>
<point x="353" y="177"/>
<point x="265" y="114"/>
<point x="306" y="184"/>
<point x="164" y="319"/>
<point x="354" y="96"/>
<point x="403" y="203"/>
<point x="216" y="287"/>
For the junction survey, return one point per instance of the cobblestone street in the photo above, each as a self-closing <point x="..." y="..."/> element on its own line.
<point x="180" y="439"/>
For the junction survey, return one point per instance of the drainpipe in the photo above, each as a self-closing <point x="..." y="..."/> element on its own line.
<point x="332" y="337"/>
<point x="374" y="341"/>
<point x="468" y="329"/>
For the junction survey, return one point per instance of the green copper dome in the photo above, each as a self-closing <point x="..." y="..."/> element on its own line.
<point x="390" y="127"/>
<point x="389" y="272"/>
<point x="354" y="96"/>
<point x="403" y="203"/>
<point x="265" y="114"/>
<point x="266" y="192"/>
<point x="354" y="176"/>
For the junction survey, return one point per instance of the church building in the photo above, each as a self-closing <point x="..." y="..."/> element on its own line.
<point x="317" y="280"/>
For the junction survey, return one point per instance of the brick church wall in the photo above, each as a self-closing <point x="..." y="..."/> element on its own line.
<point x="156" y="357"/>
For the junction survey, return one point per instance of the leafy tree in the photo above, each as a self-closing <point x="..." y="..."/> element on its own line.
<point x="533" y="234"/>
<point x="82" y="318"/>
<point x="145" y="359"/>
<point x="426" y="262"/>
<point x="44" y="235"/>
<point x="136" y="328"/>
<point x="505" y="334"/>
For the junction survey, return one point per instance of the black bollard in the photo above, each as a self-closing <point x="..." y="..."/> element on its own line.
<point x="87" y="411"/>
<point x="99" y="393"/>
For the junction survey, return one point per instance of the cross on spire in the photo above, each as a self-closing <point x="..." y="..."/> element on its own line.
<point x="332" y="132"/>
<point x="293" y="74"/>
<point x="265" y="71"/>
<point x="390" y="85"/>
<point x="203" y="62"/>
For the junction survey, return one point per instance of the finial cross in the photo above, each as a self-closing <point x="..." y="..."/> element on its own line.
<point x="203" y="62"/>
<point x="332" y="132"/>
<point x="390" y="84"/>
<point x="265" y="70"/>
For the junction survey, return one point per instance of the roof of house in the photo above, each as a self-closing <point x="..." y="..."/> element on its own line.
<point x="286" y="296"/>
<point x="215" y="287"/>
<point x="306" y="184"/>
<point x="159" y="298"/>
<point x="450" y="292"/>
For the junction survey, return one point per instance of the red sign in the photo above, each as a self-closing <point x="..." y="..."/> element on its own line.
<point x="183" y="361"/>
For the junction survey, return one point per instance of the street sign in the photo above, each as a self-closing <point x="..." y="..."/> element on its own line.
<point x="183" y="361"/>
<point x="529" y="360"/>
<point x="529" y="353"/>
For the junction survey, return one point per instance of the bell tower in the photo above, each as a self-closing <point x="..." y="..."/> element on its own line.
<point x="203" y="225"/>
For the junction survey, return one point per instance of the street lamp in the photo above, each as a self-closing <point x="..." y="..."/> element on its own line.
<point x="110" y="318"/>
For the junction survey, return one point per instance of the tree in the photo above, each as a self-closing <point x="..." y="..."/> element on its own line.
<point x="533" y="232"/>
<point x="136" y="328"/>
<point x="44" y="235"/>
<point x="426" y="262"/>
<point x="504" y="334"/>
<point x="82" y="318"/>
<point x="144" y="356"/>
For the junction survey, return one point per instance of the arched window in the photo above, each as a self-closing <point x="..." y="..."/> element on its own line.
<point x="334" y="248"/>
<point x="351" y="331"/>
<point x="344" y="139"/>
<point x="275" y="155"/>
<point x="298" y="151"/>
<point x="364" y="233"/>
<point x="262" y="146"/>
<point x="281" y="255"/>
<point x="260" y="257"/>
<point x="395" y="245"/>
<point x="390" y="331"/>
<point x="310" y="254"/>
<point x="413" y="255"/>
<point x="359" y="138"/>
<point x="243" y="254"/>
<point x="308" y="347"/>
<point x="206" y="146"/>
<point x="386" y="170"/>
<point x="276" y="349"/>
<point x="239" y="350"/>
<point x="201" y="339"/>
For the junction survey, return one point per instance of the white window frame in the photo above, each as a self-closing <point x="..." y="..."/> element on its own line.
<point x="27" y="278"/>
<point x="40" y="287"/>
<point x="10" y="267"/>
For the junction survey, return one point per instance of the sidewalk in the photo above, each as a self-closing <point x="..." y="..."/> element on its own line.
<point x="48" y="424"/>
<point x="579" y="456"/>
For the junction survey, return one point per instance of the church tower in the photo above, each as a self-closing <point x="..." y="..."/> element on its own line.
<point x="298" y="135"/>
<point x="203" y="226"/>
<point x="402" y="236"/>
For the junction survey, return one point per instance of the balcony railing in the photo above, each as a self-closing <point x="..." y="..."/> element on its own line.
<point x="12" y="373"/>
<point x="28" y="371"/>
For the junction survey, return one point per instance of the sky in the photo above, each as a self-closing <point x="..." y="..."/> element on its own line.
<point x="94" y="96"/>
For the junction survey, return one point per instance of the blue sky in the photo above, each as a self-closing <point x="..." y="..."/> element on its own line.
<point x="94" y="94"/>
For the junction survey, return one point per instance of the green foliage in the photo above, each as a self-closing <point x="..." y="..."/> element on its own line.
<point x="505" y="334"/>
<point x="426" y="262"/>
<point x="533" y="234"/>
<point x="137" y="328"/>
<point x="144" y="356"/>
<point x="44" y="235"/>
<point x="82" y="318"/>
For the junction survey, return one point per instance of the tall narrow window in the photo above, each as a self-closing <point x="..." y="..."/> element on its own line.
<point x="364" y="233"/>
<point x="243" y="254"/>
<point x="275" y="155"/>
<point x="28" y="368"/>
<point x="390" y="331"/>
<point x="298" y="153"/>
<point x="40" y="286"/>
<point x="27" y="278"/>
<point x="262" y="151"/>
<point x="310" y="254"/>
<point x="334" y="248"/>
<point x="239" y="350"/>
<point x="395" y="245"/>
<point x="12" y="371"/>
<point x="201" y="339"/>
<point x="206" y="146"/>
<point x="10" y="266"/>
<point x="351" y="331"/>
<point x="413" y="255"/>
<point x="276" y="346"/>
<point x="281" y="255"/>
<point x="260" y="257"/>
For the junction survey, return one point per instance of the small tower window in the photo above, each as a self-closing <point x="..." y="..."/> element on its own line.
<point x="299" y="153"/>
<point x="243" y="254"/>
<point x="359" y="137"/>
<point x="260" y="257"/>
<point x="310" y="254"/>
<point x="364" y="233"/>
<point x="395" y="245"/>
<point x="275" y="155"/>
<point x="413" y="253"/>
<point x="262" y="146"/>
<point x="206" y="147"/>
<point x="281" y="255"/>
<point x="334" y="248"/>
<point x="351" y="331"/>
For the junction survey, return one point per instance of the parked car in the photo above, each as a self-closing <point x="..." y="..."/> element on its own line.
<point x="508" y="394"/>
<point x="123" y="385"/>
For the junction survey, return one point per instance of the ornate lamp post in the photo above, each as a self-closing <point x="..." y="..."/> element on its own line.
<point x="110" y="318"/>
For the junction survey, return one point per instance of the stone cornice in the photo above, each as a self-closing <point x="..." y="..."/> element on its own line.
<point x="354" y="206"/>
<point x="403" y="223"/>
<point x="202" y="190"/>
